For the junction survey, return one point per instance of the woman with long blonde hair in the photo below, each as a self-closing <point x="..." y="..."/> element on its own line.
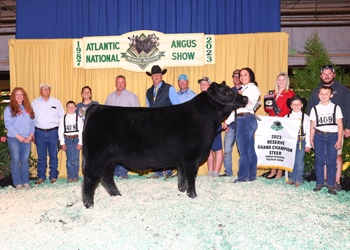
<point x="280" y="109"/>
<point x="19" y="122"/>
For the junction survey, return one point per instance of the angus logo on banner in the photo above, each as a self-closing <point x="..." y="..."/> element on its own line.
<point x="139" y="50"/>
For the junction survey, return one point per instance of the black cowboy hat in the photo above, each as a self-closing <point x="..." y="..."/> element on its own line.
<point x="297" y="97"/>
<point x="156" y="70"/>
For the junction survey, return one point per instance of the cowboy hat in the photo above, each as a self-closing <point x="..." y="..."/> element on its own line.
<point x="156" y="70"/>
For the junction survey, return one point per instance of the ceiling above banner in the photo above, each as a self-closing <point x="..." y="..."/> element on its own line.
<point x="137" y="50"/>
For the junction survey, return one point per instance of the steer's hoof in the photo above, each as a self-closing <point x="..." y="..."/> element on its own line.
<point x="192" y="194"/>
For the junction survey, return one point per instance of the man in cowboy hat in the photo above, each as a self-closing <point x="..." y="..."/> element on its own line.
<point x="159" y="95"/>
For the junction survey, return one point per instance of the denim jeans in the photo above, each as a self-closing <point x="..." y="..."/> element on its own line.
<point x="246" y="127"/>
<point x="19" y="154"/>
<point x="160" y="173"/>
<point x="120" y="171"/>
<point x="72" y="154"/>
<point x="229" y="142"/>
<point x="46" y="142"/>
<point x="298" y="169"/>
<point x="324" y="148"/>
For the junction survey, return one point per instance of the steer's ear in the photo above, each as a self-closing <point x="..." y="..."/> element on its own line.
<point x="223" y="83"/>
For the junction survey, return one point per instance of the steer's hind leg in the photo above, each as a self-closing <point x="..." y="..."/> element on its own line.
<point x="107" y="180"/>
<point x="182" y="185"/>
<point x="190" y="171"/>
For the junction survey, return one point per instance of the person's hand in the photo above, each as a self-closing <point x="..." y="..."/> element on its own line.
<point x="338" y="145"/>
<point x="64" y="147"/>
<point x="307" y="149"/>
<point x="347" y="133"/>
<point x="228" y="129"/>
<point x="20" y="138"/>
<point x="239" y="92"/>
<point x="224" y="126"/>
<point x="28" y="139"/>
<point x="79" y="147"/>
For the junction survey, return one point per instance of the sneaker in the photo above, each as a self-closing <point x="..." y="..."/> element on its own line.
<point x="27" y="186"/>
<point x="290" y="182"/>
<point x="53" y="180"/>
<point x="69" y="180"/>
<point x="209" y="175"/>
<point x="318" y="188"/>
<point x="337" y="186"/>
<point x="331" y="190"/>
<point x="297" y="184"/>
<point x="75" y="179"/>
<point x="19" y="187"/>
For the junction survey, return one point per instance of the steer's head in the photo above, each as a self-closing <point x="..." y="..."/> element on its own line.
<point x="224" y="95"/>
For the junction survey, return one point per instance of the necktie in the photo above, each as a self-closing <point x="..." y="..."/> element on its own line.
<point x="155" y="94"/>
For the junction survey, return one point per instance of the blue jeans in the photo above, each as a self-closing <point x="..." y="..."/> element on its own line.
<point x="46" y="142"/>
<point x="160" y="173"/>
<point x="229" y="142"/>
<point x="19" y="154"/>
<point x="120" y="171"/>
<point x="246" y="127"/>
<point x="72" y="154"/>
<point x="298" y="170"/>
<point x="324" y="148"/>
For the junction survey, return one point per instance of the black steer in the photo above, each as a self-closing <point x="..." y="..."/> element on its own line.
<point x="143" y="138"/>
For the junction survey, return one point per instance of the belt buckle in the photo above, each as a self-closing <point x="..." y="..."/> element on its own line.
<point x="324" y="133"/>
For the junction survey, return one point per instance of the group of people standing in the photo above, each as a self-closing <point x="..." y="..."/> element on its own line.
<point x="321" y="128"/>
<point x="44" y="122"/>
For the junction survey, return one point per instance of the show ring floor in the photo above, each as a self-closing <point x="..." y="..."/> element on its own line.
<point x="153" y="214"/>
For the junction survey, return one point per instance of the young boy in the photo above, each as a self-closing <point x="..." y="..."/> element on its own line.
<point x="70" y="135"/>
<point x="297" y="104"/>
<point x="326" y="137"/>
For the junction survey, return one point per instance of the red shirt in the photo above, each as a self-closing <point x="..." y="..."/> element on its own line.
<point x="282" y="103"/>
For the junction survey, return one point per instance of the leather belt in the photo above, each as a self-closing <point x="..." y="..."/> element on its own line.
<point x="324" y="133"/>
<point x="245" y="113"/>
<point x="47" y="129"/>
<point x="303" y="137"/>
<point x="71" y="136"/>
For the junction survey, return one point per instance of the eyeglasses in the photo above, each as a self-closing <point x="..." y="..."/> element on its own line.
<point x="235" y="76"/>
<point x="331" y="67"/>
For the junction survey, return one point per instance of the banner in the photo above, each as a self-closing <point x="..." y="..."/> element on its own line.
<point x="139" y="50"/>
<point x="275" y="142"/>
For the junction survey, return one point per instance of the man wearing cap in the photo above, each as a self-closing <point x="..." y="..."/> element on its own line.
<point x="185" y="93"/>
<point x="341" y="96"/>
<point x="123" y="98"/>
<point x="48" y="113"/>
<point x="159" y="95"/>
<point x="213" y="169"/>
<point x="230" y="139"/>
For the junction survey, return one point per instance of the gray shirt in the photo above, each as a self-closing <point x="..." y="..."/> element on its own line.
<point x="126" y="99"/>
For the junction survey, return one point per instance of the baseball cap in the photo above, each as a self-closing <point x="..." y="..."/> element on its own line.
<point x="331" y="67"/>
<point x="204" y="79"/>
<point x="183" y="77"/>
<point x="235" y="72"/>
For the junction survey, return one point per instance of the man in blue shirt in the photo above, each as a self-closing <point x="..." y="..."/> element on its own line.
<point x="159" y="95"/>
<point x="48" y="113"/>
<point x="185" y="93"/>
<point x="230" y="139"/>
